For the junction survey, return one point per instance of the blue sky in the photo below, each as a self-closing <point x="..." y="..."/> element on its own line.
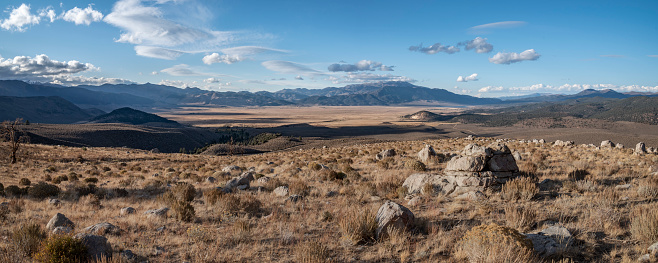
<point x="480" y="48"/>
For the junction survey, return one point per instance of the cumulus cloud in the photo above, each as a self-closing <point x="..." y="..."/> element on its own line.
<point x="48" y="12"/>
<point x="511" y="57"/>
<point x="82" y="16"/>
<point x="479" y="44"/>
<point x="472" y="77"/>
<point x="212" y="80"/>
<point x="365" y="77"/>
<point x="289" y="68"/>
<point x="217" y="58"/>
<point x="490" y="89"/>
<point x="497" y="25"/>
<point x="43" y="69"/>
<point x="433" y="49"/>
<point x="363" y="65"/>
<point x="299" y="78"/>
<point x="20" y="18"/>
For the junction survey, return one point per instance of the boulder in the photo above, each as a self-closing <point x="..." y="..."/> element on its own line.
<point x="97" y="246"/>
<point x="550" y="240"/>
<point x="517" y="156"/>
<point x="263" y="180"/>
<point x="467" y="163"/>
<point x="427" y="153"/>
<point x="103" y="229"/>
<point x="281" y="191"/>
<point x="619" y="146"/>
<point x="640" y="148"/>
<point x="607" y="144"/>
<point x="471" y="196"/>
<point x="59" y="220"/>
<point x="563" y="143"/>
<point x="385" y="153"/>
<point x="244" y="179"/>
<point x="503" y="163"/>
<point x="392" y="216"/>
<point x="415" y="183"/>
<point x="54" y="201"/>
<point x="476" y="150"/>
<point x="162" y="212"/>
<point x="127" y="210"/>
<point x="232" y="168"/>
<point x="498" y="148"/>
<point x="61" y="230"/>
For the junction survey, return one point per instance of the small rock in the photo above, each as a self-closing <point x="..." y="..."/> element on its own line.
<point x="551" y="240"/>
<point x="162" y="212"/>
<point x="61" y="230"/>
<point x="646" y="258"/>
<point x="263" y="180"/>
<point x="231" y="168"/>
<point x="158" y="250"/>
<point x="653" y="249"/>
<point x="127" y="255"/>
<point x="242" y="187"/>
<point x="331" y="194"/>
<point x="623" y="187"/>
<point x="103" y="229"/>
<point x="385" y="153"/>
<point x="472" y="196"/>
<point x="640" y="148"/>
<point x="281" y="191"/>
<point x="427" y="153"/>
<point x="127" y="210"/>
<point x="54" y="201"/>
<point x="211" y="180"/>
<point x="294" y="198"/>
<point x="59" y="220"/>
<point x="415" y="201"/>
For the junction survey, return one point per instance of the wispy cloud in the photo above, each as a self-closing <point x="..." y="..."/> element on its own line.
<point x="511" y="57"/>
<point x="479" y="44"/>
<point x="433" y="49"/>
<point x="290" y="68"/>
<point x="567" y="88"/>
<point x="20" y="18"/>
<point x="158" y="52"/>
<point x="365" y="77"/>
<point x="237" y="54"/>
<point x="484" y="28"/>
<point x="363" y="65"/>
<point x="652" y="56"/>
<point x="472" y="77"/>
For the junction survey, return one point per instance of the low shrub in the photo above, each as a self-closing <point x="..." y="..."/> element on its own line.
<point x="183" y="211"/>
<point x="27" y="238"/>
<point x="644" y="223"/>
<point x="494" y="243"/>
<point x="91" y="180"/>
<point x="415" y="165"/>
<point x="357" y="226"/>
<point x="312" y="252"/>
<point x="14" y="191"/>
<point x="522" y="188"/>
<point x="212" y="196"/>
<point x="62" y="248"/>
<point x="648" y="188"/>
<point x="42" y="190"/>
<point x="24" y="181"/>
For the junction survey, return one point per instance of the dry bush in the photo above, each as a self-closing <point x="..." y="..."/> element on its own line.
<point x="578" y="174"/>
<point x="27" y="238"/>
<point x="493" y="243"/>
<point x="415" y="165"/>
<point x="42" y="190"/>
<point x="62" y="248"/>
<point x="648" y="188"/>
<point x="298" y="187"/>
<point x="520" y="217"/>
<point x="644" y="223"/>
<point x="212" y="196"/>
<point x="357" y="226"/>
<point x="522" y="188"/>
<point x="233" y="204"/>
<point x="312" y="252"/>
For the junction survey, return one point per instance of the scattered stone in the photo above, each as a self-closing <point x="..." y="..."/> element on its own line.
<point x="331" y="194"/>
<point x="551" y="240"/>
<point x="59" y="220"/>
<point x="281" y="191"/>
<point x="54" y="201"/>
<point x="542" y="141"/>
<point x="61" y="230"/>
<point x="242" y="187"/>
<point x="162" y="212"/>
<point x="97" y="246"/>
<point x="517" y="156"/>
<point x="127" y="210"/>
<point x="160" y="229"/>
<point x="263" y="180"/>
<point x="563" y="143"/>
<point x="653" y="249"/>
<point x="607" y="144"/>
<point x="127" y="255"/>
<point x="244" y="179"/>
<point x="211" y="180"/>
<point x="640" y="148"/>
<point x="623" y="187"/>
<point x="103" y="229"/>
<point x="392" y="216"/>
<point x="619" y="146"/>
<point x="427" y="153"/>
<point x="158" y="250"/>
<point x="385" y="153"/>
<point x="294" y="198"/>
<point x="232" y="168"/>
<point x="415" y="201"/>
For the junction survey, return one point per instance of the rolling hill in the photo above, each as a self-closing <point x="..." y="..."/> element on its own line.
<point x="131" y="116"/>
<point x="43" y="110"/>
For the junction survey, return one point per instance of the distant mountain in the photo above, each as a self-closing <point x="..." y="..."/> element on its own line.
<point x="42" y="110"/>
<point x="588" y="93"/>
<point x="235" y="99"/>
<point x="160" y="93"/>
<point x="132" y="116"/>
<point x="79" y="96"/>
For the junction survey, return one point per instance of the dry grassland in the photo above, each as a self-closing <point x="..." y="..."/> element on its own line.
<point x="341" y="188"/>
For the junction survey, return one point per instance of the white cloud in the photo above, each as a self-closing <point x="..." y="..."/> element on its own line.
<point x="155" y="73"/>
<point x="49" y="13"/>
<point x="289" y="68"/>
<point x="43" y="69"/>
<point x="365" y="77"/>
<point x="217" y="58"/>
<point x="511" y="57"/>
<point x="479" y="44"/>
<point x="363" y="65"/>
<point x="181" y="70"/>
<point x="433" y="49"/>
<point x="19" y="18"/>
<point x="490" y="89"/>
<point x="250" y="50"/>
<point x="82" y="16"/>
<point x="174" y="83"/>
<point x="472" y="77"/>
<point x="299" y="78"/>
<point x="496" y="25"/>
<point x="158" y="52"/>
<point x="212" y="80"/>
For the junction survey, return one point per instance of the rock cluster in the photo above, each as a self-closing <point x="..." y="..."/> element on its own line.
<point x="475" y="169"/>
<point x="240" y="182"/>
<point x="563" y="143"/>
<point x="385" y="153"/>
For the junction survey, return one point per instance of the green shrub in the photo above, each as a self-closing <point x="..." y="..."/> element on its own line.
<point x="24" y="181"/>
<point x="62" y="248"/>
<point x="27" y="238"/>
<point x="13" y="191"/>
<point x="43" y="190"/>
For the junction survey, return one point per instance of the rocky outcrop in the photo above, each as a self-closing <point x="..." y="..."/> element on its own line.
<point x="392" y="216"/>
<point x="475" y="169"/>
<point x="241" y="182"/>
<point x="427" y="154"/>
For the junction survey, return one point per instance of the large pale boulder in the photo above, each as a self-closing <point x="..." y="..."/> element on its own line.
<point x="607" y="144"/>
<point x="467" y="163"/>
<point x="640" y="148"/>
<point x="415" y="182"/>
<point x="427" y="153"/>
<point x="476" y="150"/>
<point x="59" y="220"/>
<point x="393" y="216"/>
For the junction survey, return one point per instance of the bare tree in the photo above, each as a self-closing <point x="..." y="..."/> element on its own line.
<point x="12" y="133"/>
